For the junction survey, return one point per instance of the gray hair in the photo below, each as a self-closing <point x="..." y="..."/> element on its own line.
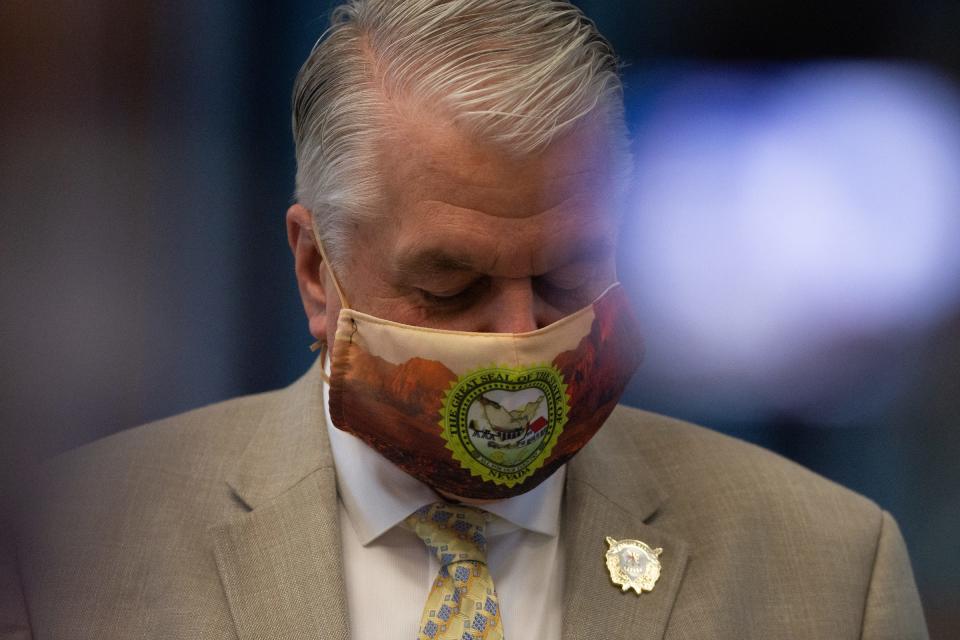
<point x="514" y="73"/>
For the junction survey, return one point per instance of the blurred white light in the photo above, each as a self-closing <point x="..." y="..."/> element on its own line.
<point x="781" y="216"/>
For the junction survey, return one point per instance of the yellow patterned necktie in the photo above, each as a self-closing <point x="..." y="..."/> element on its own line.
<point x="462" y="603"/>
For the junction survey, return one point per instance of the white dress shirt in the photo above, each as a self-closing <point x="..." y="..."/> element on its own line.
<point x="388" y="570"/>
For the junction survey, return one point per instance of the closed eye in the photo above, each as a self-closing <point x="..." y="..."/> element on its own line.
<point x="570" y="287"/>
<point x="453" y="298"/>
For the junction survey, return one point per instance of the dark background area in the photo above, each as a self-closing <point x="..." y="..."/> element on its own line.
<point x="146" y="164"/>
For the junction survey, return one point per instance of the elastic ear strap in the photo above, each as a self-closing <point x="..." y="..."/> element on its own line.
<point x="321" y="346"/>
<point x="323" y="361"/>
<point x="333" y="275"/>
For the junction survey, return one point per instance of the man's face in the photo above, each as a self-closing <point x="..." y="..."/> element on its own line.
<point x="473" y="240"/>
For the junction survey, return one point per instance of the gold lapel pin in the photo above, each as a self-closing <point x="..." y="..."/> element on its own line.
<point x="633" y="564"/>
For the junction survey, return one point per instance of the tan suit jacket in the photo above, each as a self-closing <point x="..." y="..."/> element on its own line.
<point x="222" y="523"/>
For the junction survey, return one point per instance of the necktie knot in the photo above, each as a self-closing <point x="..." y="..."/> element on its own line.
<point x="453" y="533"/>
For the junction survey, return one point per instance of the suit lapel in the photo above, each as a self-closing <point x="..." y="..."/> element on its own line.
<point x="281" y="563"/>
<point x="610" y="493"/>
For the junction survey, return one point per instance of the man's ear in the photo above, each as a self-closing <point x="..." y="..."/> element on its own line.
<point x="308" y="265"/>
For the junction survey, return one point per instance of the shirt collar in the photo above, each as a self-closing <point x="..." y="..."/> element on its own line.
<point x="378" y="495"/>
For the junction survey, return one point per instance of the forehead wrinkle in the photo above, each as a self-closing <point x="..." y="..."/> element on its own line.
<point x="437" y="207"/>
<point x="487" y="176"/>
<point x="522" y="196"/>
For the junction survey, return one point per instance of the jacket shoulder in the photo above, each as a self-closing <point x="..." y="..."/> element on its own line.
<point x="198" y="442"/>
<point x="704" y="472"/>
<point x="763" y="529"/>
<point x="123" y="521"/>
<point x="146" y="478"/>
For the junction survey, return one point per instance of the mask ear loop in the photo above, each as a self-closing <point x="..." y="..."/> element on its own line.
<point x="333" y="275"/>
<point x="321" y="345"/>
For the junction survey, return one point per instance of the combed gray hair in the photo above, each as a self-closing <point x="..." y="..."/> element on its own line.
<point x="514" y="73"/>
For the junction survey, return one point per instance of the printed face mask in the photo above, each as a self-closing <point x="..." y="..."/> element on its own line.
<point x="481" y="415"/>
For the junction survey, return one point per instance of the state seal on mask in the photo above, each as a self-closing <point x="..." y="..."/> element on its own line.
<point x="502" y="423"/>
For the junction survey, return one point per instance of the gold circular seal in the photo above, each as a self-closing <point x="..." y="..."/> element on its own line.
<point x="501" y="423"/>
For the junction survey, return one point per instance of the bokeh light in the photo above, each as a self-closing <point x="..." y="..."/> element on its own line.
<point x="792" y="229"/>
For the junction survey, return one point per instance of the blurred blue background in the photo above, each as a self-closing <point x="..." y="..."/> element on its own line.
<point x="792" y="243"/>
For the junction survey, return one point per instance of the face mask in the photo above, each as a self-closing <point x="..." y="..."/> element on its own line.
<point x="481" y="415"/>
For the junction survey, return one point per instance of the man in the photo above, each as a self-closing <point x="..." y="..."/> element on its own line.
<point x="460" y="168"/>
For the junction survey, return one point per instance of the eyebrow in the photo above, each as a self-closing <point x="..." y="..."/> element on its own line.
<point x="432" y="261"/>
<point x="438" y="261"/>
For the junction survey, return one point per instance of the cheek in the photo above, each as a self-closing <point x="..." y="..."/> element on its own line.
<point x="368" y="291"/>
<point x="397" y="307"/>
